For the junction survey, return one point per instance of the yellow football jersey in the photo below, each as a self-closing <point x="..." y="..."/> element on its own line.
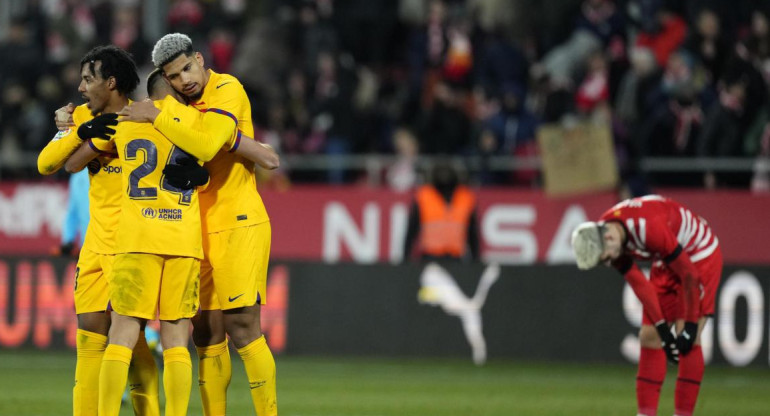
<point x="231" y="199"/>
<point x="104" y="173"/>
<point x="156" y="217"/>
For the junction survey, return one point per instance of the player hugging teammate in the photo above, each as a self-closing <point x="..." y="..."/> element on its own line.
<point x="153" y="249"/>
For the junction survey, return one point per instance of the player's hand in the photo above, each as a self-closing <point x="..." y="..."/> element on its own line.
<point x="186" y="174"/>
<point x="63" y="117"/>
<point x="140" y="112"/>
<point x="686" y="338"/>
<point x="98" y="127"/>
<point x="668" y="342"/>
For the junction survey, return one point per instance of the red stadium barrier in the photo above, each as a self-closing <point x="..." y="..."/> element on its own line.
<point x="367" y="225"/>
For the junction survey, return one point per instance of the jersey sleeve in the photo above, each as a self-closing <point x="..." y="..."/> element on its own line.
<point x="202" y="140"/>
<point x="103" y="147"/>
<point x="645" y="292"/>
<point x="63" y="145"/>
<point x="232" y="100"/>
<point x="55" y="153"/>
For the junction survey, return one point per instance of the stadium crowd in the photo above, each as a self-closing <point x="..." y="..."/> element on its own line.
<point x="431" y="77"/>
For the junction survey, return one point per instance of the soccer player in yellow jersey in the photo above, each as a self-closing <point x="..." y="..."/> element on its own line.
<point x="236" y="238"/>
<point x="157" y="265"/>
<point x="108" y="75"/>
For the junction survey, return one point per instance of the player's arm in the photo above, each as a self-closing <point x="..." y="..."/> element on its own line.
<point x="203" y="141"/>
<point x="56" y="152"/>
<point x="260" y="153"/>
<point x="681" y="264"/>
<point x="641" y="287"/>
<point x="65" y="143"/>
<point x="84" y="154"/>
<point x="646" y="294"/>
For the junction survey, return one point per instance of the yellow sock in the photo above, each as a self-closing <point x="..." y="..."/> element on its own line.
<point x="143" y="380"/>
<point x="112" y="379"/>
<point x="214" y="372"/>
<point x="85" y="394"/>
<point x="177" y="380"/>
<point x="260" y="369"/>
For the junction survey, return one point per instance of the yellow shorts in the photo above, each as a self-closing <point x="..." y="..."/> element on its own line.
<point x="91" y="288"/>
<point x="143" y="283"/>
<point x="234" y="268"/>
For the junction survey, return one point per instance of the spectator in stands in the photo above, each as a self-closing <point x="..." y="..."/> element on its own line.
<point x="638" y="84"/>
<point x="707" y="43"/>
<point x="222" y="49"/>
<point x="500" y="62"/>
<point x="757" y="144"/>
<point x="21" y="55"/>
<point x="673" y="131"/>
<point x="445" y="128"/>
<point x="331" y="108"/>
<point x="443" y="220"/>
<point x="663" y="34"/>
<point x="511" y="131"/>
<point x="426" y="50"/>
<point x="401" y="176"/>
<point x="602" y="18"/>
<point x="593" y="92"/>
<point x="127" y="32"/>
<point x="722" y="133"/>
<point x="312" y="36"/>
<point x="759" y="37"/>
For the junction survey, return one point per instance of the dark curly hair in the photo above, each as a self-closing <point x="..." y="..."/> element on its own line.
<point x="115" y="63"/>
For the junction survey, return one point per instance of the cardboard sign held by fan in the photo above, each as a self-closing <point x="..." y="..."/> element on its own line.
<point x="577" y="157"/>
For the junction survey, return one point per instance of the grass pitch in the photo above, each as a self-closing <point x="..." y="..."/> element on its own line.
<point x="40" y="383"/>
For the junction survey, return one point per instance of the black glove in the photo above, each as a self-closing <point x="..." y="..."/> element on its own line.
<point x="668" y="342"/>
<point x="186" y="174"/>
<point x="686" y="338"/>
<point x="98" y="127"/>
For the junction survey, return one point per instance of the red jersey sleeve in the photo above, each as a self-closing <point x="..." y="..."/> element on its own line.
<point x="642" y="288"/>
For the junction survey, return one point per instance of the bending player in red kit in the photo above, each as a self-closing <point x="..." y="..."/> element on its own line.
<point x="686" y="269"/>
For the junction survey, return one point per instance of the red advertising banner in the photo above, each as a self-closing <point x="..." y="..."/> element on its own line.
<point x="37" y="307"/>
<point x="368" y="225"/>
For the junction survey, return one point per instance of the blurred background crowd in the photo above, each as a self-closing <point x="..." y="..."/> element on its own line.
<point x="403" y="79"/>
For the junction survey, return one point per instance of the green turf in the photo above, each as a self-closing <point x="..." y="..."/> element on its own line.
<point x="39" y="383"/>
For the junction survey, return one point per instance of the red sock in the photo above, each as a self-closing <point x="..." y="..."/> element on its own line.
<point x="688" y="383"/>
<point x="652" y="372"/>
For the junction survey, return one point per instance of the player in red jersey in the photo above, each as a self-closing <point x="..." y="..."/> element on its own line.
<point x="685" y="273"/>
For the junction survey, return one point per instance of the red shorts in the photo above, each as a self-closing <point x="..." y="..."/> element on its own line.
<point x="668" y="285"/>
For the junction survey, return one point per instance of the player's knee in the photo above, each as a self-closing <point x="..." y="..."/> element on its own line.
<point x="97" y="322"/>
<point x="648" y="337"/>
<point x="207" y="330"/>
<point x="204" y="336"/>
<point x="242" y="330"/>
